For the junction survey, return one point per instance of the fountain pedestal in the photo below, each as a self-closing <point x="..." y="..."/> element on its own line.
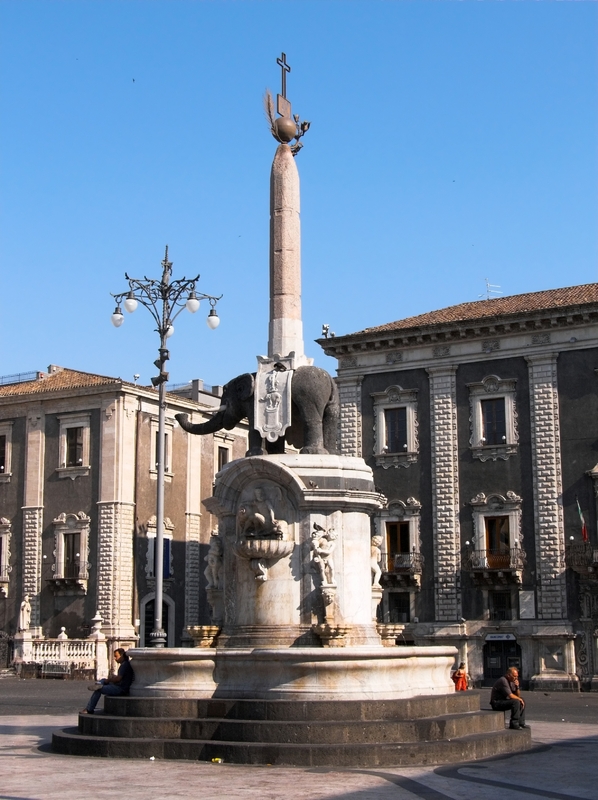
<point x="295" y="532"/>
<point x="295" y="576"/>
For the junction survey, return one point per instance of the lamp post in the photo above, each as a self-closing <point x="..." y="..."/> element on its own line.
<point x="164" y="299"/>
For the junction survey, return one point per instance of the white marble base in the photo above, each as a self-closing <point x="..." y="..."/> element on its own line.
<point x="307" y="673"/>
<point x="173" y="671"/>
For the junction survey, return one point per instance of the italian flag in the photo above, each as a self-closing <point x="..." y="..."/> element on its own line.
<point x="584" y="530"/>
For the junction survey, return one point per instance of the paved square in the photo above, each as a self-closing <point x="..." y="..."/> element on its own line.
<point x="563" y="763"/>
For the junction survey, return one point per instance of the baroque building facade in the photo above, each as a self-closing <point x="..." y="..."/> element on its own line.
<point x="78" y="498"/>
<point x="480" y="422"/>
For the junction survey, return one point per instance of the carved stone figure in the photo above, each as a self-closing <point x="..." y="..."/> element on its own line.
<point x="255" y="518"/>
<point x="213" y="571"/>
<point x="315" y="412"/>
<point x="375" y="558"/>
<point x="25" y="615"/>
<point x="323" y="544"/>
<point x="261" y="537"/>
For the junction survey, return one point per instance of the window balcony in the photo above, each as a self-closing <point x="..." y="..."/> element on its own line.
<point x="402" y="569"/>
<point x="493" y="567"/>
<point x="68" y="586"/>
<point x="500" y="614"/>
<point x="72" y="570"/>
<point x="583" y="558"/>
<point x="4" y="579"/>
<point x="71" y="580"/>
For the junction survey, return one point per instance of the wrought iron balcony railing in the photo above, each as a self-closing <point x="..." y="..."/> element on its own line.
<point x="411" y="563"/>
<point x="72" y="570"/>
<point x="582" y="558"/>
<point x="500" y="614"/>
<point x="499" y="560"/>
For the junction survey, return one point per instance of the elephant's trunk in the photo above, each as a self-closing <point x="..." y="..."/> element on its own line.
<point x="216" y="423"/>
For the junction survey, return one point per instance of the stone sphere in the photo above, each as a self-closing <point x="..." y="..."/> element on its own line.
<point x="285" y="128"/>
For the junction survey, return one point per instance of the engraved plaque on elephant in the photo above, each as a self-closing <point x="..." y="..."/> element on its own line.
<point x="272" y="399"/>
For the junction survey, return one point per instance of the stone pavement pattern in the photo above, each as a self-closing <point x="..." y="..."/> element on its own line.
<point x="564" y="763"/>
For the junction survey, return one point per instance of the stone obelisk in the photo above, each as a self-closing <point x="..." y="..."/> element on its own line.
<point x="285" y="334"/>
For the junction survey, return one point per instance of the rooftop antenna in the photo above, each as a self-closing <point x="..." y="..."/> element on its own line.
<point x="491" y="289"/>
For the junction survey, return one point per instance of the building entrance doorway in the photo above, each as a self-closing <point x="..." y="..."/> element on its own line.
<point x="498" y="657"/>
<point x="149" y="622"/>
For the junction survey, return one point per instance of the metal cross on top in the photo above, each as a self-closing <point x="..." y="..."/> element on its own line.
<point x="283" y="106"/>
<point x="282" y="63"/>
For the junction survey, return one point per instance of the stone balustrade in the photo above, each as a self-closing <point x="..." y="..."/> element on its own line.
<point x="81" y="652"/>
<point x="71" y="654"/>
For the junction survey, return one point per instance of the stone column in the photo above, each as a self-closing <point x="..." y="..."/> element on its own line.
<point x="349" y="389"/>
<point x="548" y="487"/>
<point x="286" y="328"/>
<point x="445" y="492"/>
<point x="33" y="515"/>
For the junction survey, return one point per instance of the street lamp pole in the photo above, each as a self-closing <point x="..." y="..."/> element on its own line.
<point x="164" y="299"/>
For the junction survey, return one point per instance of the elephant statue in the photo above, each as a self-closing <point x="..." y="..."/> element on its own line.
<point x="314" y="414"/>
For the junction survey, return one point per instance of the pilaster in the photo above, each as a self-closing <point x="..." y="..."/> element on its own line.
<point x="350" y="415"/>
<point x="445" y="492"/>
<point x="32" y="563"/>
<point x="115" y="568"/>
<point x="548" y="486"/>
<point x="33" y="514"/>
<point x="116" y="518"/>
<point x="194" y="579"/>
<point x="194" y="582"/>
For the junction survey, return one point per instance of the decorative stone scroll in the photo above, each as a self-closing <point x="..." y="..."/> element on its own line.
<point x="490" y="345"/>
<point x="331" y="635"/>
<point x="204" y="635"/>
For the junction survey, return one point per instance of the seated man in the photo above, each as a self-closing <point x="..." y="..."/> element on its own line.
<point x="119" y="684"/>
<point x="505" y="696"/>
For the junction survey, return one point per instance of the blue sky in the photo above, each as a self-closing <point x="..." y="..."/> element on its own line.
<point x="450" y="142"/>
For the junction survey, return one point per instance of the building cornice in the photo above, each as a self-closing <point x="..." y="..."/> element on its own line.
<point x="96" y="395"/>
<point x="467" y="330"/>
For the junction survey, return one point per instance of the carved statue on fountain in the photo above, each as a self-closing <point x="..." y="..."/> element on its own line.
<point x="261" y="537"/>
<point x="376" y="557"/>
<point x="213" y="572"/>
<point x="323" y="543"/>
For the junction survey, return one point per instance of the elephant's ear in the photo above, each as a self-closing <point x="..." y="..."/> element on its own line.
<point x="244" y="386"/>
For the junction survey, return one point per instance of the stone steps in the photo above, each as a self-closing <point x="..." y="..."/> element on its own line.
<point x="467" y="748"/>
<point x="359" y="710"/>
<point x="422" y="730"/>
<point x="292" y="732"/>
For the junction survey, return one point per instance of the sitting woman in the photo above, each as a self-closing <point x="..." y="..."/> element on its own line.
<point x="118" y="684"/>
